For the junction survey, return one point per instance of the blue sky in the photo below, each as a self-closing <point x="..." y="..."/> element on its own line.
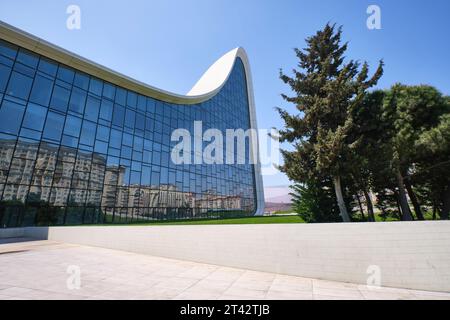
<point x="169" y="44"/>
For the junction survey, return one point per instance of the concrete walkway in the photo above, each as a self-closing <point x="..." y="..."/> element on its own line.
<point x="39" y="270"/>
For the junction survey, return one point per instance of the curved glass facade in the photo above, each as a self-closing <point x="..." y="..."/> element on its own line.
<point x="77" y="150"/>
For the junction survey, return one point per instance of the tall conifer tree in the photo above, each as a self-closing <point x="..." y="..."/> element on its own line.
<point x="326" y="91"/>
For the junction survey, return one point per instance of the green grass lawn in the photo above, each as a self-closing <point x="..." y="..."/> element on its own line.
<point x="279" y="218"/>
<point x="284" y="212"/>
<point x="246" y="220"/>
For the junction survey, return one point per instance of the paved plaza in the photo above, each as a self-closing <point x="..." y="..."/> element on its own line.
<point x="47" y="270"/>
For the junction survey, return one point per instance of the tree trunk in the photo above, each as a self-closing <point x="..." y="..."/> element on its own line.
<point x="414" y="200"/>
<point x="406" y="211"/>
<point x="434" y="211"/>
<point x="340" y="199"/>
<point x="446" y="204"/>
<point x="397" y="197"/>
<point x="360" y="206"/>
<point x="370" y="212"/>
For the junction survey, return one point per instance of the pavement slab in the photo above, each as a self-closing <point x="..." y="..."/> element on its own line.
<point x="47" y="270"/>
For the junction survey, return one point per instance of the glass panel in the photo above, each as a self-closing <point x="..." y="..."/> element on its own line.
<point x="81" y="81"/>
<point x="136" y="166"/>
<point x="155" y="178"/>
<point x="135" y="178"/>
<point x="67" y="155"/>
<point x="45" y="166"/>
<point x="69" y="141"/>
<point x="42" y="90"/>
<point x="21" y="171"/>
<point x="127" y="139"/>
<point x="164" y="178"/>
<point x="19" y="86"/>
<point x="25" y="70"/>
<point x="103" y="133"/>
<point x="150" y="105"/>
<point x="7" y="148"/>
<point x="74" y="215"/>
<point x="65" y="74"/>
<point x="48" y="67"/>
<point x="77" y="101"/>
<point x="142" y="103"/>
<point x="106" y="110"/>
<point x="126" y="152"/>
<point x="121" y="96"/>
<point x="116" y="138"/>
<point x="60" y="99"/>
<point x="92" y="109"/>
<point x="59" y="198"/>
<point x="93" y="198"/>
<point x="130" y="116"/>
<point x="137" y="156"/>
<point x="113" y="151"/>
<point x="80" y="180"/>
<point x="146" y="176"/>
<point x="101" y="147"/>
<point x="35" y="117"/>
<point x="53" y="126"/>
<point x="15" y="192"/>
<point x="38" y="194"/>
<point x="96" y="86"/>
<point x="138" y="144"/>
<point x="156" y="158"/>
<point x="77" y="197"/>
<point x="10" y="117"/>
<point x="63" y="174"/>
<point x="88" y="133"/>
<point x="149" y="124"/>
<point x="131" y="99"/>
<point x="118" y="116"/>
<point x="28" y="58"/>
<point x="7" y="49"/>
<point x="147" y="156"/>
<point x="109" y="91"/>
<point x="26" y="149"/>
<point x="29" y="217"/>
<point x="72" y="126"/>
<point x="4" y="77"/>
<point x="140" y="122"/>
<point x="97" y="177"/>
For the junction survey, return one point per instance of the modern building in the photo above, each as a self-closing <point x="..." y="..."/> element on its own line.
<point x="82" y="144"/>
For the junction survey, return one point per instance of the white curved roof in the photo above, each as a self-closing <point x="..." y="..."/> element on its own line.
<point x="214" y="78"/>
<point x="208" y="85"/>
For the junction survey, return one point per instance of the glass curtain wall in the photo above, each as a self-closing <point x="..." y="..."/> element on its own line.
<point x="78" y="150"/>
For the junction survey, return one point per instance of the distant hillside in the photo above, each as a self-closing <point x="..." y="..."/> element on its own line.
<point x="273" y="206"/>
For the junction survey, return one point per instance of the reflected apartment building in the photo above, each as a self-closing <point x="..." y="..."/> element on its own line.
<point x="81" y="144"/>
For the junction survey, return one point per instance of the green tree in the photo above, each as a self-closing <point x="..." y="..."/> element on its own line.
<point x="411" y="112"/>
<point x="370" y="156"/>
<point x="326" y="91"/>
<point x="315" y="202"/>
<point x="433" y="167"/>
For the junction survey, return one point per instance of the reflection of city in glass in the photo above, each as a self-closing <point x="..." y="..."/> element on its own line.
<point x="75" y="149"/>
